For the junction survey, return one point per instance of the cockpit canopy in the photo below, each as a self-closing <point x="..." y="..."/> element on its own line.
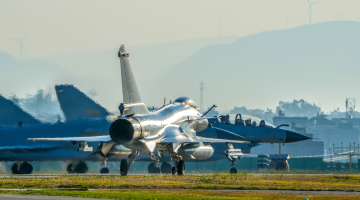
<point x="186" y="101"/>
<point x="244" y="120"/>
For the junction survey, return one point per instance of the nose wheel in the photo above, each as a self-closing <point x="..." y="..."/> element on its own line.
<point x="23" y="168"/>
<point x="104" y="170"/>
<point x="233" y="170"/>
<point x="166" y="168"/>
<point x="152" y="169"/>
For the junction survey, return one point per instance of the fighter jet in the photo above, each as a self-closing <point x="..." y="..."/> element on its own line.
<point x="169" y="130"/>
<point x="76" y="104"/>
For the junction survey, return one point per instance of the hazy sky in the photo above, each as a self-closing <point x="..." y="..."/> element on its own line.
<point x="68" y="27"/>
<point x="63" y="27"/>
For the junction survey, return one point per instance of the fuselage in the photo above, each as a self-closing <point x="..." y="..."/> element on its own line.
<point x="14" y="145"/>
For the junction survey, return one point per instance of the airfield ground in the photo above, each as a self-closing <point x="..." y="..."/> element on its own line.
<point x="221" y="186"/>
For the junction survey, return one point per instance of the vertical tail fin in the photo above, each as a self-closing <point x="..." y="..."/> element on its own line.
<point x="131" y="94"/>
<point x="78" y="106"/>
<point x="130" y="90"/>
<point x="13" y="115"/>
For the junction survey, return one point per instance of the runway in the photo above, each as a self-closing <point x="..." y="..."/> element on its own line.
<point x="242" y="191"/>
<point x="42" y="197"/>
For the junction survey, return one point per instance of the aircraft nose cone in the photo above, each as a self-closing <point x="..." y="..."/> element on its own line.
<point x="295" y="137"/>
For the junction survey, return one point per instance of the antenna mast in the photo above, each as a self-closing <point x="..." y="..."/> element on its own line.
<point x="201" y="96"/>
<point x="350" y="108"/>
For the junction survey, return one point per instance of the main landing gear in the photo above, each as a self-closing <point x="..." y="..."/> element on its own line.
<point x="165" y="168"/>
<point x="179" y="165"/>
<point x="80" y="168"/>
<point x="125" y="166"/>
<point x="23" y="168"/>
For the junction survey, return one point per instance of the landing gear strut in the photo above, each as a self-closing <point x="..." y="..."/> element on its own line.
<point x="105" y="169"/>
<point x="154" y="167"/>
<point x="124" y="166"/>
<point x="179" y="168"/>
<point x="23" y="168"/>
<point x="233" y="165"/>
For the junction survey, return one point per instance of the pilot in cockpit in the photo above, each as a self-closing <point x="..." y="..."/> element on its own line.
<point x="225" y="119"/>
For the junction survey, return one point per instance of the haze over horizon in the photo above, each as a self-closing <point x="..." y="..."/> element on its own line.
<point x="55" y="35"/>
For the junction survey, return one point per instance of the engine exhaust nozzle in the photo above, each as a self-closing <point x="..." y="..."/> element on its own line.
<point x="121" y="131"/>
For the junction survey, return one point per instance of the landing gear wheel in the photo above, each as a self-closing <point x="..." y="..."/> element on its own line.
<point x="70" y="168"/>
<point x="166" y="168"/>
<point x="14" y="169"/>
<point x="156" y="170"/>
<point x="123" y="167"/>
<point x="26" y="168"/>
<point x="104" y="170"/>
<point x="151" y="168"/>
<point x="181" y="168"/>
<point x="173" y="171"/>
<point x="233" y="170"/>
<point x="81" y="168"/>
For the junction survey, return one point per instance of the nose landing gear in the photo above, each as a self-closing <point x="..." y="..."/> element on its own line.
<point x="105" y="169"/>
<point x="124" y="166"/>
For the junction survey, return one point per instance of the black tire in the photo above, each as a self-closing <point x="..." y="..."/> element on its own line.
<point x="173" y="171"/>
<point x="104" y="170"/>
<point x="70" y="168"/>
<point x="81" y="168"/>
<point x="166" y="168"/>
<point x="156" y="170"/>
<point x="123" y="167"/>
<point x="181" y="168"/>
<point x="14" y="169"/>
<point x="233" y="170"/>
<point x="151" y="168"/>
<point x="26" y="168"/>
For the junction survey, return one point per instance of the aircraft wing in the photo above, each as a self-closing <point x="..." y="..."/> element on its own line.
<point x="104" y="138"/>
<point x="174" y="134"/>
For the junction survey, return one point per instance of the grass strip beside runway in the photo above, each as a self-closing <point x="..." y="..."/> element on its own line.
<point x="181" y="194"/>
<point x="223" y="181"/>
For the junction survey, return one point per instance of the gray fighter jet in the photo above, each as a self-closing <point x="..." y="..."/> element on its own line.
<point x="170" y="130"/>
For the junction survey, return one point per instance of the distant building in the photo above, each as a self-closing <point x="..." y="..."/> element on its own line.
<point x="336" y="132"/>
<point x="292" y="121"/>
